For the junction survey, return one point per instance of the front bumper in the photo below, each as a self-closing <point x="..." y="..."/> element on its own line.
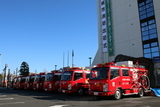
<point x="48" y="89"/>
<point x="66" y="91"/>
<point x="100" y="93"/>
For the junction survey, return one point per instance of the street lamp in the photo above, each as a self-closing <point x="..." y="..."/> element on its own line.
<point x="55" y="66"/>
<point x="90" y="60"/>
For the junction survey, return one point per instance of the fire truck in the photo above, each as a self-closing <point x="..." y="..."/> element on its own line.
<point x="14" y="80"/>
<point x="20" y="82"/>
<point x="51" y="82"/>
<point x="74" y="80"/>
<point x="118" y="79"/>
<point x="13" y="83"/>
<point x="38" y="81"/>
<point x="29" y="82"/>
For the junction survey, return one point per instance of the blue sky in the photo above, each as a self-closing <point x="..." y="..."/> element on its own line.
<point x="39" y="32"/>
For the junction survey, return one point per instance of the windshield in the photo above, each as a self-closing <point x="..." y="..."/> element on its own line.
<point x="19" y="79"/>
<point x="27" y="79"/>
<point x="15" y="80"/>
<point x="77" y="75"/>
<point x="99" y="73"/>
<point x="48" y="77"/>
<point x="66" y="75"/>
<point x="23" y="79"/>
<point x="87" y="74"/>
<point x="42" y="78"/>
<point x="57" y="77"/>
<point x="37" y="77"/>
<point x="32" y="78"/>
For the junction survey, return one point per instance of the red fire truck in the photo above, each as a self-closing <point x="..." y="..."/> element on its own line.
<point x="74" y="80"/>
<point x="117" y="79"/>
<point x="38" y="81"/>
<point x="20" y="82"/>
<point x="29" y="82"/>
<point x="14" y="80"/>
<point x="51" y="82"/>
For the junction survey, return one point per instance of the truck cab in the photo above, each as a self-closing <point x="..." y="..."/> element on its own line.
<point x="51" y="82"/>
<point x="38" y="81"/>
<point x="29" y="82"/>
<point x="20" y="82"/>
<point x="109" y="79"/>
<point x="14" y="80"/>
<point x="74" y="80"/>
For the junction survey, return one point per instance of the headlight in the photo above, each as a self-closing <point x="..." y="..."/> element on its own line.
<point x="105" y="87"/>
<point x="69" y="86"/>
<point x="87" y="81"/>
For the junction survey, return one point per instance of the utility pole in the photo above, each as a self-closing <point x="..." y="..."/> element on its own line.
<point x="16" y="71"/>
<point x="4" y="79"/>
<point x="72" y="57"/>
<point x="8" y="78"/>
<point x="4" y="76"/>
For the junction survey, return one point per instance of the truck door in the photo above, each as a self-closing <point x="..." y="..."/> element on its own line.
<point x="78" y="80"/>
<point x="126" y="80"/>
<point x="115" y="79"/>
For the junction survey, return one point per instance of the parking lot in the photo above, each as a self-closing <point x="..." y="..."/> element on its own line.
<point x="25" y="98"/>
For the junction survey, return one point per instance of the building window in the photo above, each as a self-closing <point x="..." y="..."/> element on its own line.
<point x="151" y="50"/>
<point x="148" y="28"/>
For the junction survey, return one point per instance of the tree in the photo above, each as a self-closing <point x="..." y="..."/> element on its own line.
<point x="24" y="69"/>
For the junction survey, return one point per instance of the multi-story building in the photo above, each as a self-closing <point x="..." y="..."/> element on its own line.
<point x="128" y="27"/>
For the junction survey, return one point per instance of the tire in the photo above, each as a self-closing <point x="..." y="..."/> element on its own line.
<point x="117" y="94"/>
<point x="81" y="91"/>
<point x="140" y="92"/>
<point x="58" y="90"/>
<point x="144" y="80"/>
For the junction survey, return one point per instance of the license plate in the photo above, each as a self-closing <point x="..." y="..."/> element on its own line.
<point x="95" y="93"/>
<point x="63" y="91"/>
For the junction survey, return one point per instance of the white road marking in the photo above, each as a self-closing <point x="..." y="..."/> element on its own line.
<point x="12" y="103"/>
<point x="2" y="95"/>
<point x="6" y="98"/>
<point x="58" y="106"/>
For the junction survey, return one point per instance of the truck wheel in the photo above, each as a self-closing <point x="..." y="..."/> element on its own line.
<point x="80" y="91"/>
<point x="140" y="92"/>
<point x="58" y="90"/>
<point x="117" y="94"/>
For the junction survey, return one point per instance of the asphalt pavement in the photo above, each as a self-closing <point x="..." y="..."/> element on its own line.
<point x="30" y="98"/>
